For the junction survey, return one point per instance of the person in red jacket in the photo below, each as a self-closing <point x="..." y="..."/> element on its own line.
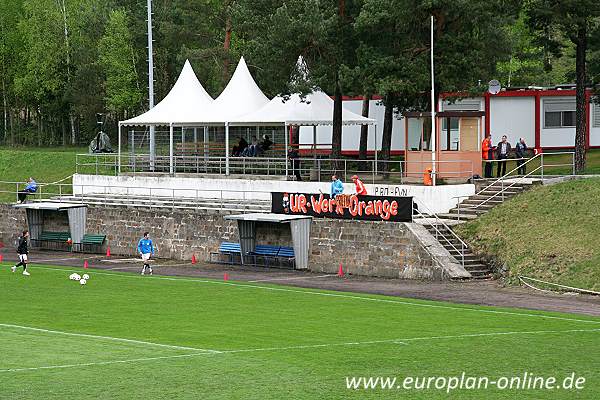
<point x="361" y="190"/>
<point x="487" y="153"/>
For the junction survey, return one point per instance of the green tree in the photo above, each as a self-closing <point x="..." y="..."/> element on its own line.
<point x="10" y="13"/>
<point x="117" y="59"/>
<point x="395" y="49"/>
<point x="579" y="21"/>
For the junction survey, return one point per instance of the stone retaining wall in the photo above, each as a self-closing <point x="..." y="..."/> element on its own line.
<point x="364" y="248"/>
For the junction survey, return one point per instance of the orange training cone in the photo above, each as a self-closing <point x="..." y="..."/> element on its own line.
<point x="226" y="276"/>
<point x="194" y="261"/>
<point x="85" y="264"/>
<point x="340" y="271"/>
<point x="108" y="252"/>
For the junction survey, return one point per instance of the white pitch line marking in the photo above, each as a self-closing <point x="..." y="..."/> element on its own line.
<point x="115" y="339"/>
<point x="291" y="278"/>
<point x="335" y="295"/>
<point x="402" y="341"/>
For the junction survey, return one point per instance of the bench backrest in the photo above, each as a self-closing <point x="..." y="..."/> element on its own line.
<point x="93" y="239"/>
<point x="286" y="252"/>
<point x="228" y="247"/>
<point x="54" y="236"/>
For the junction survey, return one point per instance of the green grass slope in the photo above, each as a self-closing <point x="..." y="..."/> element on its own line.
<point x="550" y="233"/>
<point x="124" y="336"/>
<point x="44" y="165"/>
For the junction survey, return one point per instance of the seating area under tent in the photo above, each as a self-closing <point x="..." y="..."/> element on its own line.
<point x="190" y="132"/>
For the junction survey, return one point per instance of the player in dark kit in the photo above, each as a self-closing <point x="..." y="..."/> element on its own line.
<point x="22" y="250"/>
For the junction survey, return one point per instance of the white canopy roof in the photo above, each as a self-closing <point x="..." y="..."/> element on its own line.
<point x="315" y="109"/>
<point x="241" y="96"/>
<point x="186" y="99"/>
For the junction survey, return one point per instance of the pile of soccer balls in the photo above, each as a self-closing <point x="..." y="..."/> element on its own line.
<point x="82" y="279"/>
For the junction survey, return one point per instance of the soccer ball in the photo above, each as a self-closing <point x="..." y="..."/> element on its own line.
<point x="86" y="276"/>
<point x="74" y="277"/>
<point x="82" y="281"/>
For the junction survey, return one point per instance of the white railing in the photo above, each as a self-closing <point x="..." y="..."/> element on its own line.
<point x="313" y="169"/>
<point x="143" y="196"/>
<point x="439" y="222"/>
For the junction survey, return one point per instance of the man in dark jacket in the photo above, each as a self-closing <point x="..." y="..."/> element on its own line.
<point x="520" y="152"/>
<point x="502" y="154"/>
<point x="22" y="250"/>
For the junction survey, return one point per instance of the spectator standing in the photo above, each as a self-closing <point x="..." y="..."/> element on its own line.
<point x="487" y="153"/>
<point x="361" y="190"/>
<point x="502" y="151"/>
<point x="337" y="186"/>
<point x="520" y="151"/>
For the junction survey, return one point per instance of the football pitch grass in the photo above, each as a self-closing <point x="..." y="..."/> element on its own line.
<point x="124" y="336"/>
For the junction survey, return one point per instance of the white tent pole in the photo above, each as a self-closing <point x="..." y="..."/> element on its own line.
<point x="286" y="152"/>
<point x="151" y="86"/>
<point x="376" y="167"/>
<point x="433" y="132"/>
<point x="119" y="150"/>
<point x="171" y="167"/>
<point x="206" y="143"/>
<point x="226" y="148"/>
<point x="314" y="141"/>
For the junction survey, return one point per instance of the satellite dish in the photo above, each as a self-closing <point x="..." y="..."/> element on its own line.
<point x="494" y="87"/>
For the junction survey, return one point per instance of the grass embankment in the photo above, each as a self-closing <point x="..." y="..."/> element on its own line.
<point x="550" y="233"/>
<point x="43" y="164"/>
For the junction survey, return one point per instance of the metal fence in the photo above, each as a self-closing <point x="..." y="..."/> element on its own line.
<point x="307" y="169"/>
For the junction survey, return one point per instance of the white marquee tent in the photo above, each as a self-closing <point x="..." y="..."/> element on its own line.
<point x="241" y="103"/>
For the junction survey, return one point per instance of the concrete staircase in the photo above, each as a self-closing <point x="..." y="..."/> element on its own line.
<point x="488" y="195"/>
<point x="473" y="264"/>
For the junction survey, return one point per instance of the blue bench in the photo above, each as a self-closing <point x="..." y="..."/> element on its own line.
<point x="263" y="255"/>
<point x="230" y="250"/>
<point x="272" y="256"/>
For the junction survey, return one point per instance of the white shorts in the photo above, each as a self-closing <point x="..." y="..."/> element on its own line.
<point x="146" y="256"/>
<point x="23" y="257"/>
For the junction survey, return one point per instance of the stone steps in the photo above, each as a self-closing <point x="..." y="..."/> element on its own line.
<point x="463" y="255"/>
<point x="167" y="203"/>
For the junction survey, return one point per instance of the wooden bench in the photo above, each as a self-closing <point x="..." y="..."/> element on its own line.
<point x="230" y="250"/>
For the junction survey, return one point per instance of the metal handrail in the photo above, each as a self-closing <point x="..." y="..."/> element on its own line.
<point x="271" y="165"/>
<point x="507" y="176"/>
<point x="439" y="221"/>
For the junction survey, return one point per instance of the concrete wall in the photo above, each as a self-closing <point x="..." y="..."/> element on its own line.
<point x="438" y="199"/>
<point x="364" y="248"/>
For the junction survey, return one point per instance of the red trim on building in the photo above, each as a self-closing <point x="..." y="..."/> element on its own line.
<point x="538" y="123"/>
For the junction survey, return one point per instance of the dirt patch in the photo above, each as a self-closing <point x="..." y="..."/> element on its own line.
<point x="489" y="293"/>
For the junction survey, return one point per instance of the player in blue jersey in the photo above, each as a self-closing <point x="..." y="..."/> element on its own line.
<point x="146" y="249"/>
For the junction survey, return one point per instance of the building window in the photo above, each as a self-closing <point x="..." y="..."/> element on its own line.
<point x="559" y="113"/>
<point x="449" y="135"/>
